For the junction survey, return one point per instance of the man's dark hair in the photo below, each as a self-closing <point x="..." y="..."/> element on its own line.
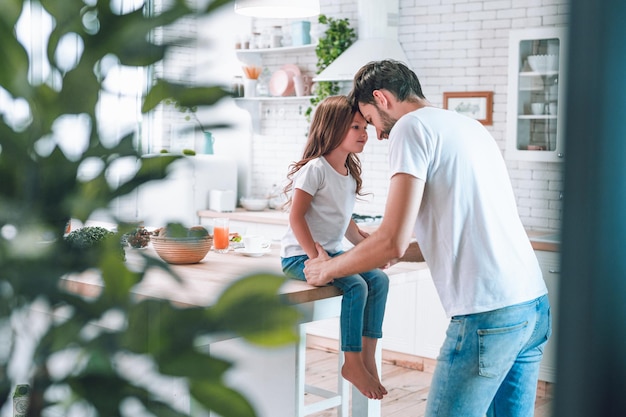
<point x="393" y="76"/>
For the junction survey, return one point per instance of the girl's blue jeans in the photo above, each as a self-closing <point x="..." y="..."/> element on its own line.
<point x="362" y="305"/>
<point x="489" y="362"/>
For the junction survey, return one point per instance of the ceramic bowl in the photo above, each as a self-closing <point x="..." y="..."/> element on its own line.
<point x="181" y="250"/>
<point x="281" y="83"/>
<point x="543" y="63"/>
<point x="254" y="203"/>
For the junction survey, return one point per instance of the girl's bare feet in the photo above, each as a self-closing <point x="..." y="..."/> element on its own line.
<point x="368" y="357"/>
<point x="370" y="367"/>
<point x="354" y="371"/>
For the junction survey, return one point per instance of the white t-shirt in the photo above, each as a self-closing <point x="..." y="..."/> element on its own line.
<point x="468" y="226"/>
<point x="331" y="208"/>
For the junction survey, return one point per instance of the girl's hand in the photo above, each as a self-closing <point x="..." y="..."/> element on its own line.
<point x="389" y="264"/>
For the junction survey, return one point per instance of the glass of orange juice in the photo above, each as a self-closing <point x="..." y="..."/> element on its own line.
<point x="220" y="235"/>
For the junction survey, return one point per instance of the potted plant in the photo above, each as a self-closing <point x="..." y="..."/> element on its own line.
<point x="337" y="37"/>
<point x="40" y="190"/>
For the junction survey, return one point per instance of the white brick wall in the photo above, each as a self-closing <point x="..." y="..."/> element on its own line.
<point x="453" y="45"/>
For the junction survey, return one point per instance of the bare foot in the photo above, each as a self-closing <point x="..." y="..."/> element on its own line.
<point x="355" y="372"/>
<point x="368" y="357"/>
<point x="370" y="367"/>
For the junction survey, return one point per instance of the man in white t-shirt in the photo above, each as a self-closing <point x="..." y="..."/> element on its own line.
<point x="450" y="188"/>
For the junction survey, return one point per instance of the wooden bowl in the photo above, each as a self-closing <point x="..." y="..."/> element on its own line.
<point x="182" y="250"/>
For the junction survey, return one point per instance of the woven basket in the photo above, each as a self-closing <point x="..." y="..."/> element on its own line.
<point x="183" y="250"/>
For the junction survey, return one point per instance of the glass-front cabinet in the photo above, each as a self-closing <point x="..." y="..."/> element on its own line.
<point x="536" y="94"/>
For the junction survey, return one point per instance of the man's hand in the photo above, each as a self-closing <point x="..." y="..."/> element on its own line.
<point x="314" y="268"/>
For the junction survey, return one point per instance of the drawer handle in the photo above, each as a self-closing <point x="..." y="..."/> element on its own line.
<point x="554" y="271"/>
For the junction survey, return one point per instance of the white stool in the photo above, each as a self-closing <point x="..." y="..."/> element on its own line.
<point x="339" y="399"/>
<point x="361" y="405"/>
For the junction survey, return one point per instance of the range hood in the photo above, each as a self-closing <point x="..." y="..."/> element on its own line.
<point x="377" y="39"/>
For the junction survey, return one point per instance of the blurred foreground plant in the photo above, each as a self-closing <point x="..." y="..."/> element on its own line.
<point x="43" y="320"/>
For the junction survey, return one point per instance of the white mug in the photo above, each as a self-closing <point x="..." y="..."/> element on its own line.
<point x="537" y="108"/>
<point x="298" y="83"/>
<point x="255" y="243"/>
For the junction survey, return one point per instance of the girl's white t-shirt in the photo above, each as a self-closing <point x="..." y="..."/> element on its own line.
<point x="468" y="225"/>
<point x="330" y="212"/>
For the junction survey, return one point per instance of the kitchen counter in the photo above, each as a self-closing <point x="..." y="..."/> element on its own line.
<point x="267" y="216"/>
<point x="540" y="240"/>
<point x="201" y="284"/>
<point x="545" y="240"/>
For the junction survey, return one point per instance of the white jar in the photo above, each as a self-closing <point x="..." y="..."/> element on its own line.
<point x="276" y="37"/>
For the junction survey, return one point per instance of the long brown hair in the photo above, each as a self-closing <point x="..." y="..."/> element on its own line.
<point x="330" y="125"/>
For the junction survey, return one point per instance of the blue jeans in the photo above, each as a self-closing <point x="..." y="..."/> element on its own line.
<point x="362" y="305"/>
<point x="489" y="362"/>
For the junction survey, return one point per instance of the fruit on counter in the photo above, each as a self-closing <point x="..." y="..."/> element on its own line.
<point x="177" y="230"/>
<point x="197" y="231"/>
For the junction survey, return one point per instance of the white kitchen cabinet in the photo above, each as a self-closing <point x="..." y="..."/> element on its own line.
<point x="415" y="323"/>
<point x="536" y="94"/>
<point x="550" y="267"/>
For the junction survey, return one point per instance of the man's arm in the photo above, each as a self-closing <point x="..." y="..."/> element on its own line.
<point x="387" y="243"/>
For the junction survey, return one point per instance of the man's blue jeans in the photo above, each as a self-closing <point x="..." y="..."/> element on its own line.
<point x="489" y="362"/>
<point x="362" y="305"/>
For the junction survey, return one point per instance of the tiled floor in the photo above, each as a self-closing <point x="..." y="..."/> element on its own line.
<point x="408" y="388"/>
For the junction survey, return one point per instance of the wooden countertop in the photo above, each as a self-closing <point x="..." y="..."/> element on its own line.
<point x="279" y="217"/>
<point x="202" y="283"/>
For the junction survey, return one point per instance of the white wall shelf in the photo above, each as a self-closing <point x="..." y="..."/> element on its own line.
<point x="270" y="98"/>
<point x="254" y="56"/>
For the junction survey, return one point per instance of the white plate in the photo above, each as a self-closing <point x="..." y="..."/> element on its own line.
<point x="246" y="252"/>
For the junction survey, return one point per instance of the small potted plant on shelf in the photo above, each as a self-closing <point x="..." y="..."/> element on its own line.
<point x="337" y="37"/>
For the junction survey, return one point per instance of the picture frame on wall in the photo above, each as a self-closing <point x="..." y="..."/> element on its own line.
<point x="475" y="104"/>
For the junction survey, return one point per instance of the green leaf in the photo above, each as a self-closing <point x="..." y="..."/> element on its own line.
<point x="223" y="400"/>
<point x="13" y="57"/>
<point x="118" y="279"/>
<point x="253" y="309"/>
<point x="161" y="409"/>
<point x="195" y="365"/>
<point x="158" y="328"/>
<point x="184" y="95"/>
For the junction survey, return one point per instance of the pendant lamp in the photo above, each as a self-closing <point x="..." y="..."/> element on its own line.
<point x="278" y="8"/>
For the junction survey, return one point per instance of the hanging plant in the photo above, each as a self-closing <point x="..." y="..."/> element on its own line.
<point x="338" y="37"/>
